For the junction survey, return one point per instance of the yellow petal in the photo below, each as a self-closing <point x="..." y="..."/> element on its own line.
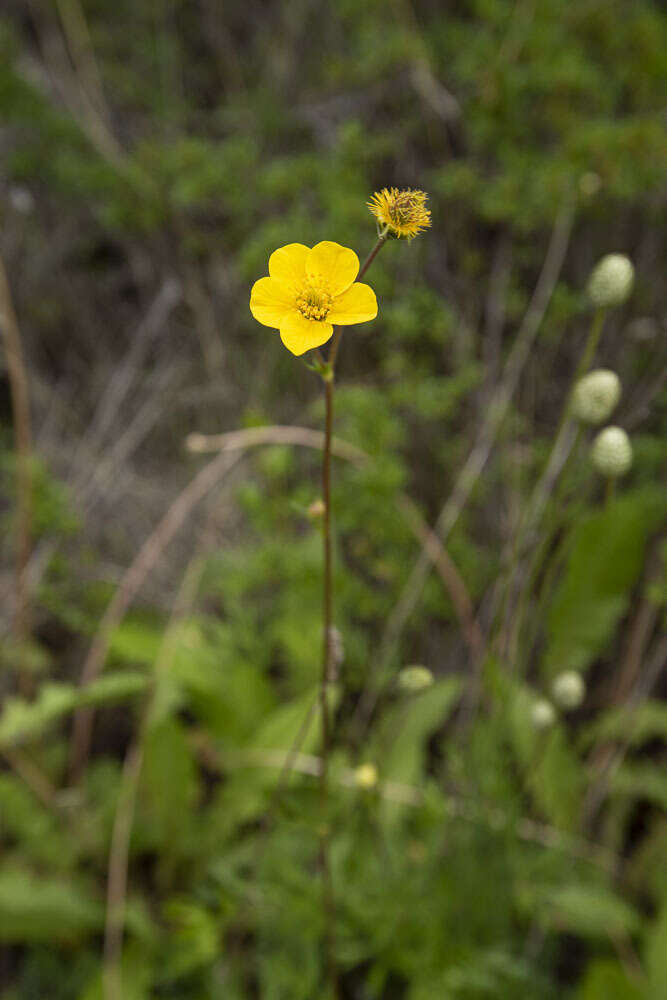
<point x="289" y="263"/>
<point x="299" y="334"/>
<point x="331" y="263"/>
<point x="357" y="305"/>
<point x="270" y="299"/>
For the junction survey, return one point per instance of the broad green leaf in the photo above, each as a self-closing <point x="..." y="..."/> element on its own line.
<point x="168" y="789"/>
<point x="656" y="957"/>
<point x="400" y="748"/>
<point x="136" y="642"/>
<point x="605" y="556"/>
<point x="42" y="908"/>
<point x="605" y="979"/>
<point x="634" y="725"/>
<point x="22" y="720"/>
<point x="192" y="939"/>
<point x="642" y="780"/>
<point x="590" y="910"/>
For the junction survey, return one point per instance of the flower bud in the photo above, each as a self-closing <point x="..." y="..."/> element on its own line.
<point x="569" y="689"/>
<point x="366" y="776"/>
<point x="317" y="509"/>
<point x="596" y="395"/>
<point x="542" y="714"/>
<point x="590" y="183"/>
<point x="611" y="281"/>
<point x="612" y="452"/>
<point x="413" y="679"/>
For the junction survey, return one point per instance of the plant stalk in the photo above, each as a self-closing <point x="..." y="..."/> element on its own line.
<point x="20" y="402"/>
<point x="327" y="664"/>
<point x="328" y="897"/>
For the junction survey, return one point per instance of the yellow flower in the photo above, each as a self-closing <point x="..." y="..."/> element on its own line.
<point x="403" y="213"/>
<point x="310" y="291"/>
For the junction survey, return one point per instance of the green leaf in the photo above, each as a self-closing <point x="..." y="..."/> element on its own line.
<point x="656" y="957"/>
<point x="22" y="720"/>
<point x="400" y="750"/>
<point x="606" y="980"/>
<point x="633" y="725"/>
<point x="169" y="789"/>
<point x="591" y="911"/>
<point x="43" y="908"/>
<point x="192" y="940"/>
<point x="606" y="551"/>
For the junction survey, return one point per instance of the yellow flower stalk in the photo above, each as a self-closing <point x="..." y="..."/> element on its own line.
<point x="402" y="213"/>
<point x="309" y="291"/>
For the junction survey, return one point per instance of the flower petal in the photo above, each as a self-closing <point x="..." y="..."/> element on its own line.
<point x="270" y="299"/>
<point x="299" y="334"/>
<point x="333" y="264"/>
<point x="289" y="263"/>
<point x="357" y="305"/>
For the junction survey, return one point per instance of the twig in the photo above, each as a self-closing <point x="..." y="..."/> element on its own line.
<point x="147" y="557"/>
<point x="127" y="372"/>
<point x="450" y="576"/>
<point x="20" y="402"/>
<point x="34" y="778"/>
<point x="275" y="434"/>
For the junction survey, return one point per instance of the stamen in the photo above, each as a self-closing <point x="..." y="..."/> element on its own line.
<point x="314" y="301"/>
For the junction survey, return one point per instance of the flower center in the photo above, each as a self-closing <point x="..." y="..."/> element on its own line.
<point x="314" y="301"/>
<point x="403" y="208"/>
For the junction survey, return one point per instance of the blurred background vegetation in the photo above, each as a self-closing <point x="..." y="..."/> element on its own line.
<point x="153" y="155"/>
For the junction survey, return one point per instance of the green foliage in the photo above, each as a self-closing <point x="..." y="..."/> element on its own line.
<point x="605" y="557"/>
<point x="187" y="144"/>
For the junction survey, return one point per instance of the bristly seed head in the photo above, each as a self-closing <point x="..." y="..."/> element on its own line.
<point x="402" y="213"/>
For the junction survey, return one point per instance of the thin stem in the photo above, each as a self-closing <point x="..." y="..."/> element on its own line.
<point x="338" y="332"/>
<point x="610" y="491"/>
<point x="583" y="365"/>
<point x="329" y="905"/>
<point x="556" y="466"/>
<point x="20" y="401"/>
<point x="327" y="659"/>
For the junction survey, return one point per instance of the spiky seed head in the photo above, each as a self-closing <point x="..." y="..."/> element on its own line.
<point x="612" y="452"/>
<point x="542" y="714"/>
<point x="414" y="678"/>
<point x="596" y="395"/>
<point x="569" y="689"/>
<point x="611" y="281"/>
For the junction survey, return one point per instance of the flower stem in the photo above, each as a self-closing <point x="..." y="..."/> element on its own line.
<point x="329" y="910"/>
<point x="338" y="332"/>
<point x="20" y="402"/>
<point x="327" y="664"/>
<point x="610" y="491"/>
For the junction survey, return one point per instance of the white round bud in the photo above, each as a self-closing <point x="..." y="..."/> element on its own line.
<point x="415" y="678"/>
<point x="612" y="452"/>
<point x="569" y="689"/>
<point x="366" y="776"/>
<point x="596" y="395"/>
<point x="611" y="281"/>
<point x="542" y="714"/>
<point x="590" y="183"/>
